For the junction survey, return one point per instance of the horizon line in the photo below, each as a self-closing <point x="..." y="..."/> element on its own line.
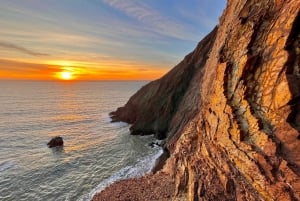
<point x="66" y="81"/>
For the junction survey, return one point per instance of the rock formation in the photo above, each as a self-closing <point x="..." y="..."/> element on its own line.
<point x="56" y="142"/>
<point x="231" y="109"/>
<point x="152" y="108"/>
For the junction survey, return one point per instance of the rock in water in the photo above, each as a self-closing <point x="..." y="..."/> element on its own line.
<point x="56" y="142"/>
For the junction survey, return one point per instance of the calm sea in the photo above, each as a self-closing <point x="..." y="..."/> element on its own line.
<point x="95" y="154"/>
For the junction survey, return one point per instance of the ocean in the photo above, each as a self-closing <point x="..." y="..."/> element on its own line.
<point x="95" y="152"/>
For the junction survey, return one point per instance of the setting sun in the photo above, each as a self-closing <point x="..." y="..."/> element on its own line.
<point x="65" y="75"/>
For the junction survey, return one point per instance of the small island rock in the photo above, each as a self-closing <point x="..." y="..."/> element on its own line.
<point x="55" y="142"/>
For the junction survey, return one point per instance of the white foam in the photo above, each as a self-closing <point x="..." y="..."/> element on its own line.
<point x="119" y="124"/>
<point x="143" y="167"/>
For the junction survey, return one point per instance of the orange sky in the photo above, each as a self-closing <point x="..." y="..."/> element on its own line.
<point x="52" y="70"/>
<point x="100" y="40"/>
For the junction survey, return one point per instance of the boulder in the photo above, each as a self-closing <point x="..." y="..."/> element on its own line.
<point x="55" y="142"/>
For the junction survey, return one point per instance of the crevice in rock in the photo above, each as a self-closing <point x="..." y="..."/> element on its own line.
<point x="293" y="72"/>
<point x="256" y="31"/>
<point x="293" y="196"/>
<point x="294" y="167"/>
<point x="196" y="186"/>
<point x="202" y="190"/>
<point x="230" y="187"/>
<point x="234" y="101"/>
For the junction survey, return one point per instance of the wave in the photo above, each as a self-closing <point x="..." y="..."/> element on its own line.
<point x="143" y="166"/>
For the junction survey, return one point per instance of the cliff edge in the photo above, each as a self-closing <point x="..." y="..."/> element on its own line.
<point x="152" y="109"/>
<point x="230" y="111"/>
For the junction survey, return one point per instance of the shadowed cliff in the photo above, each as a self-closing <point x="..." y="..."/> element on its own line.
<point x="231" y="109"/>
<point x="152" y="108"/>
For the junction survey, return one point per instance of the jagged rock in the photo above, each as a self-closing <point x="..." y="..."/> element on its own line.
<point x="230" y="110"/>
<point x="154" y="144"/>
<point x="56" y="142"/>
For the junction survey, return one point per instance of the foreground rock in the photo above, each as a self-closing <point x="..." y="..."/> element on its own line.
<point x="231" y="109"/>
<point x="56" y="142"/>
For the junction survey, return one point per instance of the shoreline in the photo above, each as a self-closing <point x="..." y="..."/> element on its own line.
<point x="160" y="161"/>
<point x="158" y="187"/>
<point x="139" y="184"/>
<point x="156" y="165"/>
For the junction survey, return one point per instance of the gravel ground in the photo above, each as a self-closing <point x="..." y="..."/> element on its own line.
<point x="157" y="187"/>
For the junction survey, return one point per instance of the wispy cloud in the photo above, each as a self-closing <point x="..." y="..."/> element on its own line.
<point x="21" y="49"/>
<point x="199" y="16"/>
<point x="151" y="18"/>
<point x="104" y="38"/>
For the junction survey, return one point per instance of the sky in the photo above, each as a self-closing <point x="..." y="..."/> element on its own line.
<point x="100" y="39"/>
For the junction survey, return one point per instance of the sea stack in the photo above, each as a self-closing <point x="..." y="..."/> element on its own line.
<point x="56" y="142"/>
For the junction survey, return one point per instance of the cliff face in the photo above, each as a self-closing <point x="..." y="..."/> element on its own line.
<point x="152" y="109"/>
<point x="231" y="109"/>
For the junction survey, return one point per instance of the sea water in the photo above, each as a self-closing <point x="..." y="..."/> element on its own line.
<point x="95" y="152"/>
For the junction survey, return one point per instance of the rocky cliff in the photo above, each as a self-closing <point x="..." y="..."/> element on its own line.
<point x="152" y="109"/>
<point x="230" y="111"/>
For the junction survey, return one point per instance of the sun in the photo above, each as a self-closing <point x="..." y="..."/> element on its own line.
<point x="65" y="75"/>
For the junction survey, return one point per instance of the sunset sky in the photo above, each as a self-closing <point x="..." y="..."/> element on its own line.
<point x="100" y="39"/>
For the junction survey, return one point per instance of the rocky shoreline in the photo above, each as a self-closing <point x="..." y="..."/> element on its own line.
<point x="160" y="161"/>
<point x="152" y="187"/>
<point x="118" y="191"/>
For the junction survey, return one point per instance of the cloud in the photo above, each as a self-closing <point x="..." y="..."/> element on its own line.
<point x="21" y="49"/>
<point x="28" y="67"/>
<point x="151" y="18"/>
